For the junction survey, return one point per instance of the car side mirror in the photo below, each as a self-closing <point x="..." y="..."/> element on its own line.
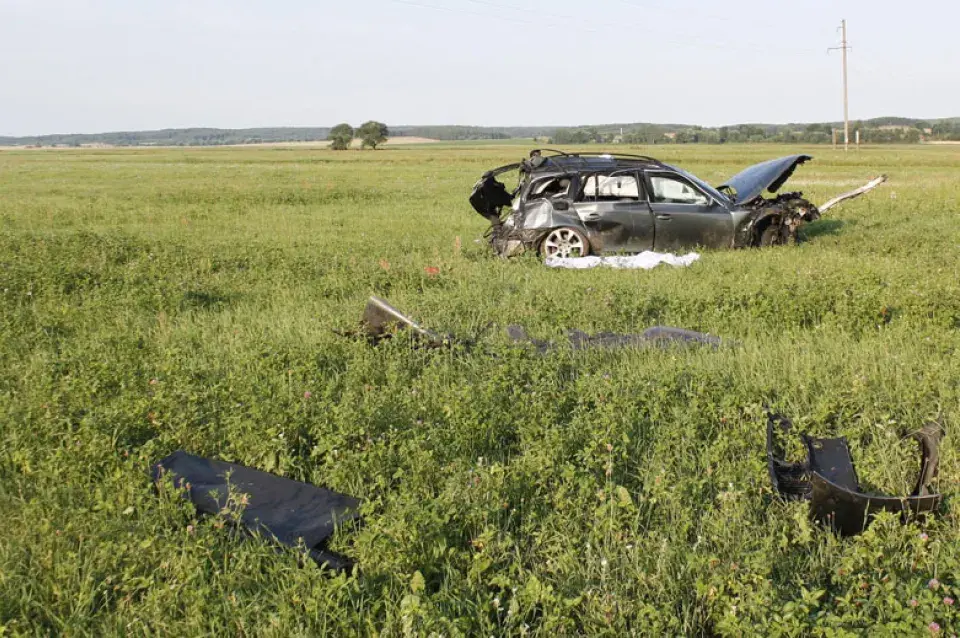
<point x="561" y="205"/>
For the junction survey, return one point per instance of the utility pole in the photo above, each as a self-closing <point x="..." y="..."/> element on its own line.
<point x="843" y="49"/>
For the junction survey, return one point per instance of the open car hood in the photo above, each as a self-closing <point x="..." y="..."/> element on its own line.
<point x="770" y="175"/>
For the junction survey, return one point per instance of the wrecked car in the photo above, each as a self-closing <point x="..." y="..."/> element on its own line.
<point x="574" y="205"/>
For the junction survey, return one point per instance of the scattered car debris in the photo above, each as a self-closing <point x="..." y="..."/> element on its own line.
<point x="288" y="511"/>
<point x="828" y="479"/>
<point x="661" y="336"/>
<point x="381" y="321"/>
<point x="645" y="261"/>
<point x="575" y="205"/>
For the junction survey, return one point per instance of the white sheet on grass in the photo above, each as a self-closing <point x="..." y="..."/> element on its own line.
<point x="645" y="260"/>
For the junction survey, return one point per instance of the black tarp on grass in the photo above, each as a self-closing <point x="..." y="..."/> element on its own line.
<point x="286" y="510"/>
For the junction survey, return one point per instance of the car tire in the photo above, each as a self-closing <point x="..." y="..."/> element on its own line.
<point x="564" y="242"/>
<point x="769" y="235"/>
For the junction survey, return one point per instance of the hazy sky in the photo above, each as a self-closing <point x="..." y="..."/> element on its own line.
<point x="71" y="66"/>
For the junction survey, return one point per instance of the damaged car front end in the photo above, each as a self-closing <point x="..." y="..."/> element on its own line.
<point x="573" y="205"/>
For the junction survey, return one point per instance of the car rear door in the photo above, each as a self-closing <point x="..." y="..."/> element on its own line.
<point x="684" y="216"/>
<point x="613" y="205"/>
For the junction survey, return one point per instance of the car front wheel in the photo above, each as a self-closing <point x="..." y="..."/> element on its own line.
<point x="564" y="242"/>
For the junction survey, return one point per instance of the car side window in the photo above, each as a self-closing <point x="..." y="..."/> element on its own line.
<point x="549" y="188"/>
<point x="667" y="189"/>
<point x="618" y="187"/>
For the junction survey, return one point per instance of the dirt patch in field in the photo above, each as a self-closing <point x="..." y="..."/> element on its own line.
<point x="397" y="141"/>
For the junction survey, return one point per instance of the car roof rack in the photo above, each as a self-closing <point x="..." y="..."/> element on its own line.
<point x="594" y="154"/>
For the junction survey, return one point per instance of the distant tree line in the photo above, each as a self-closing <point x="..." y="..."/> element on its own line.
<point x="880" y="131"/>
<point x="884" y="130"/>
<point x="176" y="137"/>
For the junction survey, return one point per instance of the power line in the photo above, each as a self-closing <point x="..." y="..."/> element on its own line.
<point x="588" y="27"/>
<point x="664" y="9"/>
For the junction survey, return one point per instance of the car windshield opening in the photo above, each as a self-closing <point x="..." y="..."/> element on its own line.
<point x="668" y="189"/>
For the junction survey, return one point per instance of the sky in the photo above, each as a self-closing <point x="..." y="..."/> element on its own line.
<point x="87" y="66"/>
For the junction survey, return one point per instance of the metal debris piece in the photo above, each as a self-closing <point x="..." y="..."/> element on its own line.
<point x="828" y="479"/>
<point x="288" y="511"/>
<point x="381" y="321"/>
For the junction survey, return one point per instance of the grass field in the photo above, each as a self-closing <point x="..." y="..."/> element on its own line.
<point x="153" y="300"/>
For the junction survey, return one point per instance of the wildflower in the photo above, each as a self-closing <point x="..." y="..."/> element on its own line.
<point x="432" y="271"/>
<point x="933" y="627"/>
<point x="153" y="382"/>
<point x="603" y="563"/>
<point x="924" y="537"/>
<point x="189" y="529"/>
<point x="609" y="447"/>
<point x="948" y="601"/>
<point x="496" y="603"/>
<point x="933" y="584"/>
<point x="913" y="602"/>
<point x="307" y="394"/>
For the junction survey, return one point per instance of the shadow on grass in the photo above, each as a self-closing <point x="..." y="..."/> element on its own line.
<point x="204" y="300"/>
<point x="824" y="227"/>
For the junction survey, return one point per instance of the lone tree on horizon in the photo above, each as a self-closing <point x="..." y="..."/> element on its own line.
<point x="340" y="137"/>
<point x="373" y="133"/>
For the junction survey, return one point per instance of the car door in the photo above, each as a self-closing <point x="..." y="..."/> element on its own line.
<point x="684" y="216"/>
<point x="613" y="205"/>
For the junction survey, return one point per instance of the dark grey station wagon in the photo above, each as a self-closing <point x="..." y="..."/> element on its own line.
<point x="569" y="205"/>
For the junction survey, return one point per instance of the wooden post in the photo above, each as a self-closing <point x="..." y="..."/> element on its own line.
<point x="846" y="117"/>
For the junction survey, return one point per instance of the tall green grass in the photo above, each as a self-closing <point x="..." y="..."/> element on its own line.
<point x="152" y="300"/>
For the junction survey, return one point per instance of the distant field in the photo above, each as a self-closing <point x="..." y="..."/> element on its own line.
<point x="162" y="299"/>
<point x="405" y="140"/>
